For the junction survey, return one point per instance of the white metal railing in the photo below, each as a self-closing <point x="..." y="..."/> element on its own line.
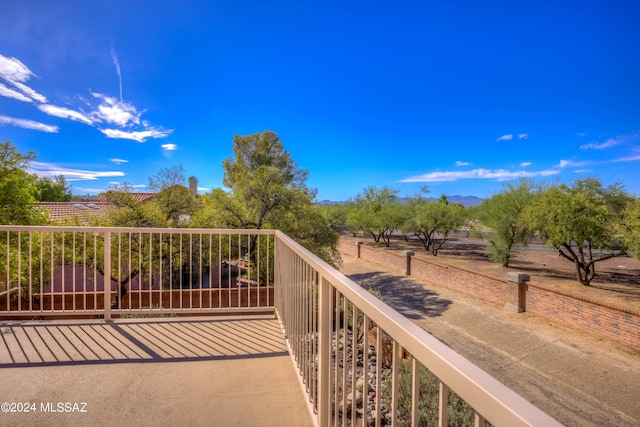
<point x="363" y="363"/>
<point x="53" y="271"/>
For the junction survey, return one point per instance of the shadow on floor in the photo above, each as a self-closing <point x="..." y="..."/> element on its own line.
<point x="25" y="344"/>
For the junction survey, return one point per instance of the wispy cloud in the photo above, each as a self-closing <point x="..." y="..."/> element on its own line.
<point x="459" y="163"/>
<point x="525" y="164"/>
<point x="634" y="157"/>
<point x="118" y="161"/>
<point x="567" y="163"/>
<point x="28" y="124"/>
<point x="30" y="92"/>
<point x="140" y="136"/>
<point x="100" y="111"/>
<point x="523" y="135"/>
<point x="65" y="113"/>
<point x="498" y="174"/>
<point x="169" y="147"/>
<point x="507" y="137"/>
<point x="10" y="93"/>
<point x="117" y="65"/>
<point x="51" y="170"/>
<point x="611" y="142"/>
<point x="14" y="72"/>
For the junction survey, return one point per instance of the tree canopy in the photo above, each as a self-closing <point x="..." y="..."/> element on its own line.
<point x="18" y="189"/>
<point x="266" y="189"/>
<point x="582" y="222"/>
<point x="631" y="227"/>
<point x="376" y="212"/>
<point x="504" y="216"/>
<point x="54" y="190"/>
<point x="426" y="218"/>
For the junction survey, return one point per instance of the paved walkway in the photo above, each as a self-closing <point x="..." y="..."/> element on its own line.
<point x="233" y="371"/>
<point x="575" y="378"/>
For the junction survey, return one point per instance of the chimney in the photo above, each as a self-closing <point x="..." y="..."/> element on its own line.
<point x="193" y="184"/>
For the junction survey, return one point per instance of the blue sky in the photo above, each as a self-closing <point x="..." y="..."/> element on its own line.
<point x="459" y="96"/>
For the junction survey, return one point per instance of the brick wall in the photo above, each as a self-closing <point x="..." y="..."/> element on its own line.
<point x="588" y="315"/>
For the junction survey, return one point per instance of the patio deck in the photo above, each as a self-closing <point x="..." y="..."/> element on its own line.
<point x="159" y="371"/>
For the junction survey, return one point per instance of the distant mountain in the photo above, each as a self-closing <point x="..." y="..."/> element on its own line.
<point x="463" y="200"/>
<point x="466" y="200"/>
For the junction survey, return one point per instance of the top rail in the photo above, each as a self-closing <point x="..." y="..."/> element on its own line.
<point x="146" y="230"/>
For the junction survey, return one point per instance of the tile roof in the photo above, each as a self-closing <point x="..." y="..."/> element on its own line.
<point x="137" y="196"/>
<point x="84" y="211"/>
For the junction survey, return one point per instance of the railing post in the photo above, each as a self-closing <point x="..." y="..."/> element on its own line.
<point x="408" y="255"/>
<point x="517" y="291"/>
<point x="324" y="354"/>
<point x="107" y="275"/>
<point x="358" y="246"/>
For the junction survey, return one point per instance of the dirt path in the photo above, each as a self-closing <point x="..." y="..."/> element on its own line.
<point x="575" y="378"/>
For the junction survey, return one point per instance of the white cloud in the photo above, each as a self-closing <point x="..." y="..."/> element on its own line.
<point x="115" y="112"/>
<point x="51" y="170"/>
<point x="611" y="142"/>
<point x="30" y="92"/>
<point x="13" y="70"/>
<point x="565" y="163"/>
<point x="10" y="93"/>
<point x="523" y="135"/>
<point x="123" y="117"/>
<point x="581" y="134"/>
<point x="16" y="73"/>
<point x="507" y="137"/>
<point x="459" y="163"/>
<point x="499" y="174"/>
<point x="65" y="113"/>
<point x="118" y="161"/>
<point x="169" y="147"/>
<point x="140" y="136"/>
<point x="632" y="158"/>
<point x="28" y="124"/>
<point x="525" y="164"/>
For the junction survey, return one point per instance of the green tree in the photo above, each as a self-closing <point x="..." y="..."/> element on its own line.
<point x="504" y="216"/>
<point x="265" y="189"/>
<point x="176" y="202"/>
<point x="428" y="218"/>
<point x="378" y="212"/>
<point x="18" y="188"/>
<point x="631" y="227"/>
<point x="54" y="190"/>
<point x="582" y="222"/>
<point x="131" y="212"/>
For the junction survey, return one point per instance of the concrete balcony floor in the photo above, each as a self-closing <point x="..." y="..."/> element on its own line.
<point x="227" y="371"/>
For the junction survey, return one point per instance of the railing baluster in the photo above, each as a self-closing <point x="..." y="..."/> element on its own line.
<point x="379" y="358"/>
<point x="443" y="407"/>
<point x="415" y="392"/>
<point x="107" y="275"/>
<point x="324" y="354"/>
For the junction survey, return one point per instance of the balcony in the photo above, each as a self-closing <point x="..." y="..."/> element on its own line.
<point x="203" y="325"/>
